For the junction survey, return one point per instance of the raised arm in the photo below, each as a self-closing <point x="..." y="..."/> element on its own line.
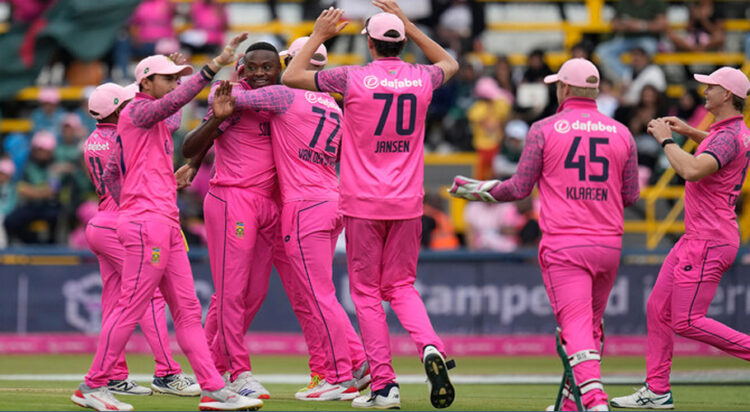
<point x="434" y="53"/>
<point x="326" y="26"/>
<point x="200" y="138"/>
<point x="146" y="113"/>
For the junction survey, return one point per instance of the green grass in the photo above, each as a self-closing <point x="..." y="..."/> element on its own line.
<point x="41" y="395"/>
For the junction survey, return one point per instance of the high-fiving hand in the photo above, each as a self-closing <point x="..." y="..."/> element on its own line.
<point x="223" y="104"/>
<point x="228" y="55"/>
<point x="327" y="25"/>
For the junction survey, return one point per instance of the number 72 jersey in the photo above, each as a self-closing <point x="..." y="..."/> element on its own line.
<point x="710" y="202"/>
<point x="588" y="161"/>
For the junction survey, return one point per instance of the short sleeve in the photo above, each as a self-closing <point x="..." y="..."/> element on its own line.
<point x="332" y="80"/>
<point x="436" y="74"/>
<point x="724" y="147"/>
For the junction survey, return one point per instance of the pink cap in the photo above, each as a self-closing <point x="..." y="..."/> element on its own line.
<point x="49" y="95"/>
<point x="381" y="23"/>
<point x="159" y="64"/>
<point x="731" y="79"/>
<point x="300" y="42"/>
<point x="44" y="140"/>
<point x="107" y="98"/>
<point x="7" y="167"/>
<point x="576" y="72"/>
<point x="487" y="88"/>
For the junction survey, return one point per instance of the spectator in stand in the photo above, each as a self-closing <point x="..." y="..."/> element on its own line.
<point x="151" y="32"/>
<point x="637" y="23"/>
<point x="510" y="152"/>
<point x="455" y="124"/>
<point x="487" y="118"/>
<point x="7" y="196"/>
<point x="209" y="24"/>
<point x="437" y="230"/>
<point x="459" y="25"/>
<point x="503" y="74"/>
<point x="704" y="31"/>
<point x="37" y="194"/>
<point x="67" y="167"/>
<point x="84" y="213"/>
<point x="49" y="115"/>
<point x="501" y="227"/>
<point x="642" y="72"/>
<point x="651" y="105"/>
<point x="534" y="99"/>
<point x="608" y="101"/>
<point x="690" y="108"/>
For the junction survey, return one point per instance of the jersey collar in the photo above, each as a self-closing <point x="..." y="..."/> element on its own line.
<point x="577" y="103"/>
<point x="725" y="122"/>
<point x="387" y="59"/>
<point x="105" y="125"/>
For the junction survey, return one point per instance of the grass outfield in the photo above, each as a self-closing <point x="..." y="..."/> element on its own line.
<point x="54" y="395"/>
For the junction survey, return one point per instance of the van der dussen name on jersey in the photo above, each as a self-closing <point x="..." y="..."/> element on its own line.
<point x="309" y="155"/>
<point x="392" y="146"/>
<point x="596" y="194"/>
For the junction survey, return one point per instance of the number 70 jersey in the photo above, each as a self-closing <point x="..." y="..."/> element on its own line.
<point x="588" y="160"/>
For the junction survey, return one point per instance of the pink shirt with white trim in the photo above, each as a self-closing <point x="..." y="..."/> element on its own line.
<point x="587" y="168"/>
<point x="710" y="202"/>
<point x="96" y="154"/>
<point x="244" y="156"/>
<point x="382" y="152"/>
<point x="149" y="189"/>
<point x="306" y="133"/>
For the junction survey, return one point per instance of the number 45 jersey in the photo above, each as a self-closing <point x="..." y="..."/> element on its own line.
<point x="710" y="202"/>
<point x="382" y="151"/>
<point x="587" y="168"/>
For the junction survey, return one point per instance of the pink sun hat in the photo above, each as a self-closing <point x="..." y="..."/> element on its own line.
<point x="378" y="25"/>
<point x="731" y="79"/>
<point x="576" y="72"/>
<point x="106" y="98"/>
<point x="300" y="42"/>
<point x="44" y="140"/>
<point x="159" y="64"/>
<point x="7" y="167"/>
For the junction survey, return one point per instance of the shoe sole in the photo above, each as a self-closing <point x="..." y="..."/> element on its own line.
<point x="163" y="391"/>
<point x="217" y="408"/>
<point x="615" y="405"/>
<point x="384" y="407"/>
<point x="131" y="393"/>
<point x="442" y="392"/>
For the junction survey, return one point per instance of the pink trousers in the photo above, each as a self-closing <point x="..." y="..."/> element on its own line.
<point x="578" y="273"/>
<point x="679" y="302"/>
<point x="382" y="258"/>
<point x="244" y="241"/>
<point x="155" y="257"/>
<point x="101" y="234"/>
<point x="310" y="230"/>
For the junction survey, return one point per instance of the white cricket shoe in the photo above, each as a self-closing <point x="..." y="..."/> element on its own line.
<point x="176" y="384"/>
<point x="644" y="398"/>
<point x="227" y="400"/>
<point x="316" y="379"/>
<point x="473" y="189"/>
<point x="99" y="399"/>
<point x="127" y="387"/>
<point x="324" y="391"/>
<point x="441" y="389"/>
<point x="386" y="398"/>
<point x="247" y="385"/>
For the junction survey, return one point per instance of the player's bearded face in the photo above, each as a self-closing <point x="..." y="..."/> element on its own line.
<point x="262" y="68"/>
<point x="161" y="84"/>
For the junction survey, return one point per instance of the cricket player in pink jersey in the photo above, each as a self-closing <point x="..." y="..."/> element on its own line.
<point x="306" y="132"/>
<point x="382" y="176"/>
<point x="251" y="266"/>
<point x="691" y="272"/>
<point x="586" y="167"/>
<point x="105" y="105"/>
<point x="149" y="230"/>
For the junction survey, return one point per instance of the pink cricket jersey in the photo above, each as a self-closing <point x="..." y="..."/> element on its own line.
<point x="149" y="189"/>
<point x="382" y="152"/>
<point x="710" y="202"/>
<point x="96" y="154"/>
<point x="306" y="130"/>
<point x="244" y="156"/>
<point x="587" y="168"/>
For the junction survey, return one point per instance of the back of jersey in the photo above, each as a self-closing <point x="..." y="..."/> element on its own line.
<point x="584" y="158"/>
<point x="382" y="157"/>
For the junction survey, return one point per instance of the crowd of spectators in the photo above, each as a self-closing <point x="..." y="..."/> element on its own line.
<point x="487" y="108"/>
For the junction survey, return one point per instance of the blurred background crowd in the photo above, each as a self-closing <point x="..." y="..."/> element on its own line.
<point x="485" y="110"/>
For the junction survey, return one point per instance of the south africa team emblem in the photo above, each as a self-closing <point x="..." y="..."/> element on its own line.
<point x="155" y="255"/>
<point x="239" y="230"/>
